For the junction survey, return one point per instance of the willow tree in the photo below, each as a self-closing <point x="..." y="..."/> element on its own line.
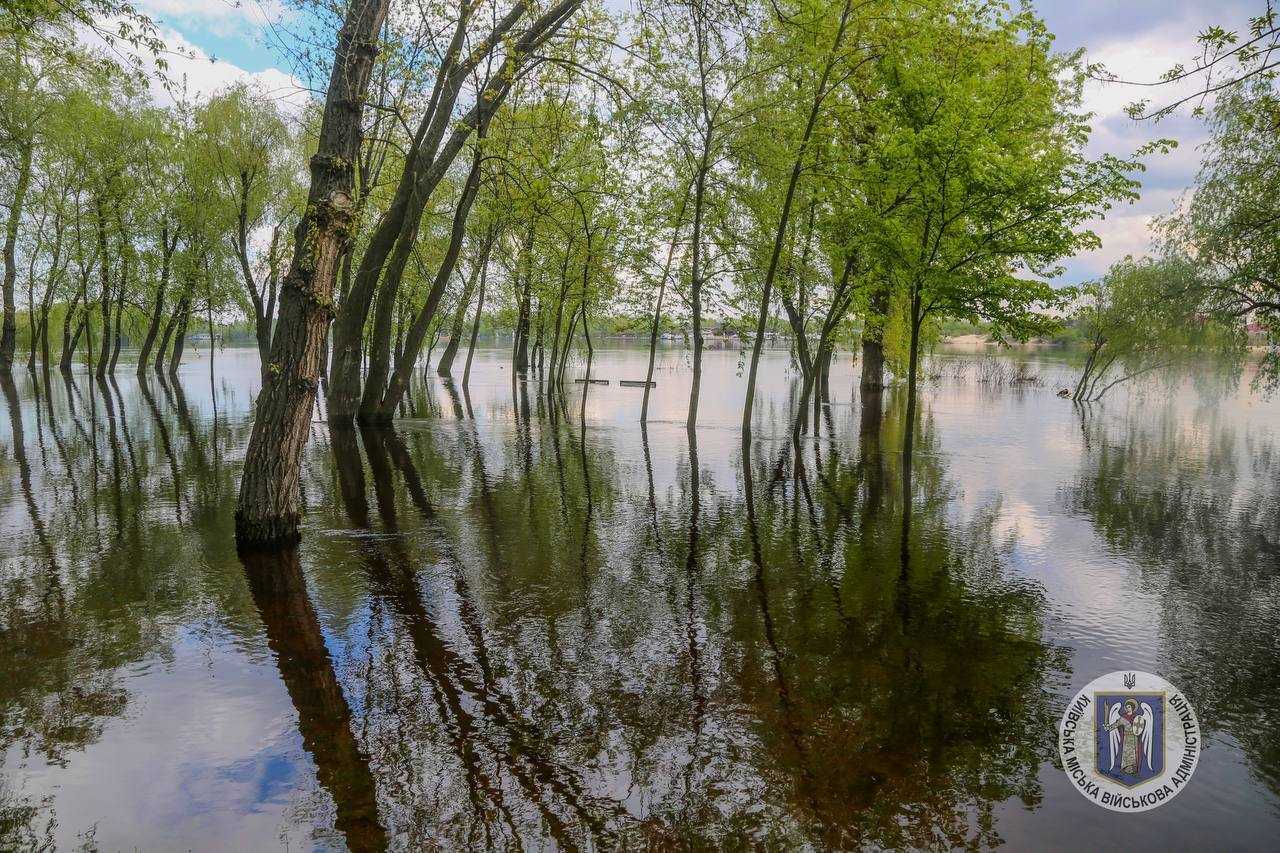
<point x="485" y="67"/>
<point x="250" y="160"/>
<point x="696" y="62"/>
<point x="1231" y="221"/>
<point x="826" y="47"/>
<point x="1143" y="318"/>
<point x="267" y="510"/>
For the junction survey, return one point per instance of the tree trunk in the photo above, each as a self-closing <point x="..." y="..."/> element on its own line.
<point x="33" y="325"/>
<point x="70" y="339"/>
<point x="521" y="356"/>
<point x="124" y="281"/>
<point x="165" y="337"/>
<point x="179" y="335"/>
<point x="9" y="332"/>
<point x="430" y="157"/>
<point x="695" y="282"/>
<point x="455" y="329"/>
<point x="104" y="272"/>
<point x="796" y="321"/>
<point x="568" y="345"/>
<point x="399" y="383"/>
<point x="555" y="340"/>
<point x="153" y="328"/>
<point x="475" y="326"/>
<point x="44" y="336"/>
<point x="539" y="350"/>
<point x="873" y="343"/>
<point x="909" y="434"/>
<point x="268" y="511"/>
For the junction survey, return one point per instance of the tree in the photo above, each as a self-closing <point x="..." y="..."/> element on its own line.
<point x="696" y="56"/>
<point x="267" y="510"/>
<point x="492" y="67"/>
<point x="1230" y="224"/>
<point x="1136" y="321"/>
<point x="250" y="155"/>
<point x="828" y="66"/>
<point x="982" y="135"/>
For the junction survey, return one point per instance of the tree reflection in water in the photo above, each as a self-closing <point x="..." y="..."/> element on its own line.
<point x="1196" y="505"/>
<point x="559" y="650"/>
<point x="535" y="629"/>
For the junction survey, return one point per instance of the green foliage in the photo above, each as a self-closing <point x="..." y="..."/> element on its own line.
<point x="1138" y="320"/>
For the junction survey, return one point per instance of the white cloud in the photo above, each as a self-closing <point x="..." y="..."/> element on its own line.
<point x="218" y="17"/>
<point x="191" y="68"/>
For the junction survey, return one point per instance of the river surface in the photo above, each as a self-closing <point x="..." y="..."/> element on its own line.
<point x="520" y="624"/>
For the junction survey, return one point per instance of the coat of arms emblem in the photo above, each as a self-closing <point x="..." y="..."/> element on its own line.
<point x="1130" y="729"/>
<point x="1129" y="741"/>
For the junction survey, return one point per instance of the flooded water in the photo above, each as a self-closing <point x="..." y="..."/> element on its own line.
<point x="518" y="624"/>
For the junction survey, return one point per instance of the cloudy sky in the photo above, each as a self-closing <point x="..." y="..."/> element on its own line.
<point x="1138" y="39"/>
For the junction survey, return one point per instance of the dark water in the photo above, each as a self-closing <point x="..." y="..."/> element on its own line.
<point x="513" y="624"/>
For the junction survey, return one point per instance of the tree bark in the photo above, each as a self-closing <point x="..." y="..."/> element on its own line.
<point x="909" y="434"/>
<point x="9" y="331"/>
<point x="399" y="383"/>
<point x="165" y="337"/>
<point x="157" y="313"/>
<point x="521" y="355"/>
<point x="430" y="157"/>
<point x="444" y="368"/>
<point x="69" y="340"/>
<point x="120" y="289"/>
<point x="104" y="272"/>
<point x="475" y="326"/>
<point x="873" y="343"/>
<point x="179" y="335"/>
<point x="695" y="281"/>
<point x="267" y="511"/>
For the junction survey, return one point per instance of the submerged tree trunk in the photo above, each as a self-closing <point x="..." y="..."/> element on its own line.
<point x="70" y="338"/>
<point x="657" y="308"/>
<point x="9" y="331"/>
<point x="444" y="368"/>
<point x="520" y="356"/>
<point x="179" y="335"/>
<point x="695" y="281"/>
<point x="873" y="343"/>
<point x="44" y="336"/>
<point x="430" y="156"/>
<point x="104" y="271"/>
<point x="555" y="332"/>
<point x="165" y="337"/>
<point x="909" y="429"/>
<point x="399" y="382"/>
<point x="124" y="280"/>
<point x="157" y="312"/>
<point x="475" y="325"/>
<point x="267" y="510"/>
